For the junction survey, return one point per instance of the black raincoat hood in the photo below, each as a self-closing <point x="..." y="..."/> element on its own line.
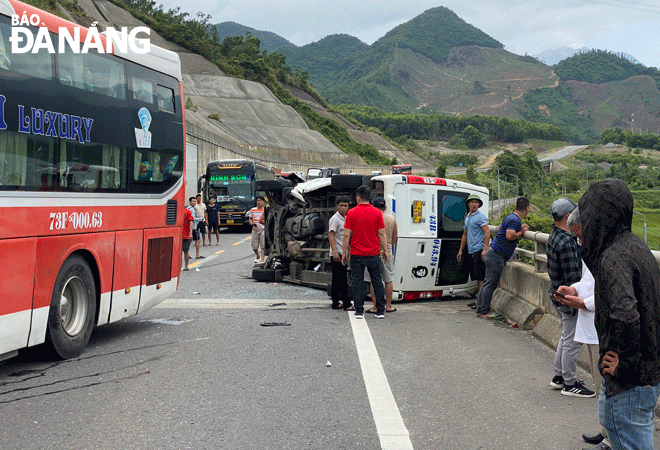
<point x="606" y="211"/>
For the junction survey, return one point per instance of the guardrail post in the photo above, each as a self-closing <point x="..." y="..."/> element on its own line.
<point x="540" y="248"/>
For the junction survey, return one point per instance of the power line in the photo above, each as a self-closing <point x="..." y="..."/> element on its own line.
<point x="628" y="4"/>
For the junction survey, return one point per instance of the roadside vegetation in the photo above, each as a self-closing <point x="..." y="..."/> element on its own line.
<point x="242" y="57"/>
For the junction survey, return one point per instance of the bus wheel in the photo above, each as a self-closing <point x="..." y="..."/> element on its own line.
<point x="72" y="309"/>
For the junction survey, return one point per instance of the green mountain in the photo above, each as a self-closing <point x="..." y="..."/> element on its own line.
<point x="433" y="34"/>
<point x="345" y="70"/>
<point x="599" y="66"/>
<point x="326" y="59"/>
<point x="268" y="40"/>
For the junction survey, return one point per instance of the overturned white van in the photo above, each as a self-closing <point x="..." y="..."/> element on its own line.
<point x="430" y="214"/>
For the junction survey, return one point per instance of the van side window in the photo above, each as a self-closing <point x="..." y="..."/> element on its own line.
<point x="453" y="211"/>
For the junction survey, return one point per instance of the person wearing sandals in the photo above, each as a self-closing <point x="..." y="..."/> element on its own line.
<point x="340" y="295"/>
<point x="501" y="249"/>
<point x="195" y="232"/>
<point x="188" y="219"/>
<point x="476" y="236"/>
<point x="392" y="235"/>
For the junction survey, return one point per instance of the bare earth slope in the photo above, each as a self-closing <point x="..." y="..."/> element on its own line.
<point x="248" y="114"/>
<point x="451" y="87"/>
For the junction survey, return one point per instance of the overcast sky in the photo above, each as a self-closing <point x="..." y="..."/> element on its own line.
<point x="531" y="27"/>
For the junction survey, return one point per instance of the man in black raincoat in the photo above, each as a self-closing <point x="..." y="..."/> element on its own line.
<point x="627" y="293"/>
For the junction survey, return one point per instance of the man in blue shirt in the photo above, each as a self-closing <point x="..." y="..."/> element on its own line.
<point x="476" y="234"/>
<point x="501" y="249"/>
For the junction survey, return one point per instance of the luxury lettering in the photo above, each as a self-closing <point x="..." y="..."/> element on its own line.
<point x="51" y="123"/>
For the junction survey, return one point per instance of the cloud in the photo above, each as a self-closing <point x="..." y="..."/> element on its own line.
<point x="522" y="26"/>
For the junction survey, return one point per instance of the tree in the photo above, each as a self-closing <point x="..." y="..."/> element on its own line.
<point x="473" y="137"/>
<point x="441" y="171"/>
<point x="471" y="175"/>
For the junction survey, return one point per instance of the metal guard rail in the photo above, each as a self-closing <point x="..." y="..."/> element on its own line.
<point x="538" y="255"/>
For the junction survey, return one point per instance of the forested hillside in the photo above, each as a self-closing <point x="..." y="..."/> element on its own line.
<point x="327" y="60"/>
<point x="358" y="73"/>
<point x="598" y="66"/>
<point x="268" y="41"/>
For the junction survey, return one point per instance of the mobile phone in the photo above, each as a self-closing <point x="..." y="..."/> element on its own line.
<point x="557" y="293"/>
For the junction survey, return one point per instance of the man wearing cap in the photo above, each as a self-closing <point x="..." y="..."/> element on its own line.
<point x="565" y="269"/>
<point x="476" y="234"/>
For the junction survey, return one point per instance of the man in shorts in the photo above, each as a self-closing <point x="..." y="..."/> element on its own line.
<point x="476" y="235"/>
<point x="212" y="220"/>
<point x="195" y="232"/>
<point x="200" y="210"/>
<point x="392" y="234"/>
<point x="258" y="240"/>
<point x="188" y="220"/>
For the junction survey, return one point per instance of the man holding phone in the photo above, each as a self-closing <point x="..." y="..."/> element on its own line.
<point x="564" y="269"/>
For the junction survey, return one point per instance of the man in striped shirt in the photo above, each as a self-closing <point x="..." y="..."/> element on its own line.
<point x="258" y="240"/>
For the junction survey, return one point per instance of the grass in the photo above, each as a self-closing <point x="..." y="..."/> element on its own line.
<point x="652" y="227"/>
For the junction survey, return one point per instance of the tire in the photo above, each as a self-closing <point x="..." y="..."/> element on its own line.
<point x="72" y="309"/>
<point x="346" y="181"/>
<point x="272" y="185"/>
<point x="261" y="274"/>
<point x="328" y="289"/>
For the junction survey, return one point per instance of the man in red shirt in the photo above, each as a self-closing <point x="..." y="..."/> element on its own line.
<point x="364" y="229"/>
<point x="187" y="231"/>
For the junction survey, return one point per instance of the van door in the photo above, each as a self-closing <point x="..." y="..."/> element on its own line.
<point x="430" y="222"/>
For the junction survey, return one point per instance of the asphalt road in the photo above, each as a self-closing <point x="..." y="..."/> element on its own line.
<point x="201" y="372"/>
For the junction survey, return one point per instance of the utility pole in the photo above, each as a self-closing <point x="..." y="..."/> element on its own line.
<point x="632" y="122"/>
<point x="499" y="199"/>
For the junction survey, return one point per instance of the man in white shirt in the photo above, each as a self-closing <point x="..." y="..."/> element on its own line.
<point x="339" y="291"/>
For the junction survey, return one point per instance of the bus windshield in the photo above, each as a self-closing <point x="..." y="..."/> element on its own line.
<point x="225" y="186"/>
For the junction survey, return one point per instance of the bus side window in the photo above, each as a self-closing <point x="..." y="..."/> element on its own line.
<point x="165" y="98"/>
<point x="92" y="72"/>
<point x="5" y="62"/>
<point x="39" y="65"/>
<point x="143" y="90"/>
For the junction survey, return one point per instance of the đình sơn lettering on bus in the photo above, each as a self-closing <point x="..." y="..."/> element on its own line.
<point x="231" y="183"/>
<point x="91" y="186"/>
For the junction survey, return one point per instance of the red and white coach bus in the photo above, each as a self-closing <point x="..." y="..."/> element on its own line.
<point x="91" y="185"/>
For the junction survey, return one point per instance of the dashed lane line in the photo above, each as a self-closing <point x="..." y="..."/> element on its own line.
<point x="392" y="432"/>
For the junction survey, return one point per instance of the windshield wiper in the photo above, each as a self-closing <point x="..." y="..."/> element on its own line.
<point x="235" y="197"/>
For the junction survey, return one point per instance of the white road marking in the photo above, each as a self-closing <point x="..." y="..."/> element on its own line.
<point x="392" y="432"/>
<point x="244" y="303"/>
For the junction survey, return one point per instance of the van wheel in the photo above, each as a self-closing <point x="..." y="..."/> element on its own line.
<point x="72" y="309"/>
<point x="346" y="181"/>
<point x="261" y="274"/>
<point x="272" y="185"/>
